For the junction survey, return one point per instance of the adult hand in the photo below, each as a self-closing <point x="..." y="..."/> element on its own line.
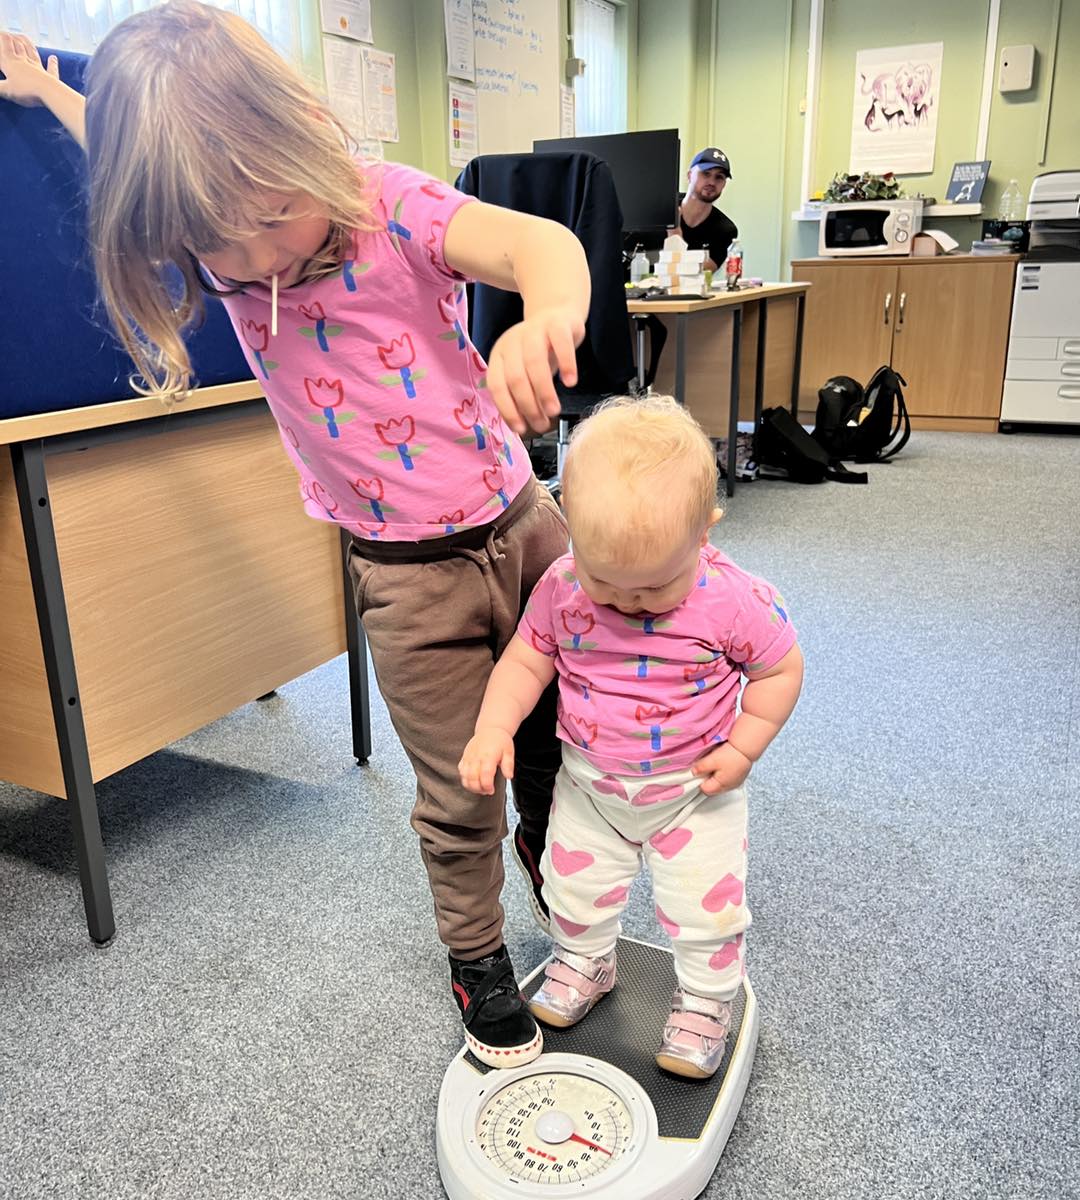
<point x="722" y="769"/>
<point x="25" y="76"/>
<point x="489" y="749"/>
<point x="523" y="361"/>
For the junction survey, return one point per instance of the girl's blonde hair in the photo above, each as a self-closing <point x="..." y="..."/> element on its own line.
<point x="191" y="119"/>
<point x="639" y="477"/>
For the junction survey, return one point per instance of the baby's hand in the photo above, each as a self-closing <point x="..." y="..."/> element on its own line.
<point x="488" y="750"/>
<point x="723" y="769"/>
<point x="523" y="360"/>
<point x="19" y="61"/>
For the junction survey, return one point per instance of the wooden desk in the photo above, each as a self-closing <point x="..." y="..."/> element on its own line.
<point x="706" y="372"/>
<point x="157" y="570"/>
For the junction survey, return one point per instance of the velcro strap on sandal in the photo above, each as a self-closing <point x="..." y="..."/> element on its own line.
<point x="699" y="1023"/>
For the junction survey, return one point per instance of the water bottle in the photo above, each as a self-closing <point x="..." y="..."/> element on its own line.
<point x="639" y="265"/>
<point x="733" y="266"/>
<point x="1012" y="203"/>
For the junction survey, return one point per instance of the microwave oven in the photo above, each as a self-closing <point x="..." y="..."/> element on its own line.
<point x="869" y="227"/>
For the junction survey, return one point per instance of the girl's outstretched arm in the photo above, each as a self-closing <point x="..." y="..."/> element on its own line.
<point x="28" y="83"/>
<point x="545" y="262"/>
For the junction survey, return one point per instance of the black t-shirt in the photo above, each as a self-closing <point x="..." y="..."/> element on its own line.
<point x="714" y="234"/>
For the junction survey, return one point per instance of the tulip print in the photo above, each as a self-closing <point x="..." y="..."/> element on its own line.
<point x="450" y="520"/>
<point x="646" y="625"/>
<point x="583" y="732"/>
<point x="327" y="395"/>
<point x="642" y="662"/>
<point x="493" y="480"/>
<point x="294" y="441"/>
<point x="448" y="310"/>
<point x="317" y="494"/>
<point x="577" y="624"/>
<point x="772" y="600"/>
<point x="372" y="490"/>
<point x="432" y="243"/>
<point x="258" y="338"/>
<point x="654" y="715"/>
<point x="581" y="682"/>
<point x="398" y="434"/>
<point x="395" y="227"/>
<point x="350" y="268"/>
<point x="319" y="330"/>
<point x="697" y="673"/>
<point x="499" y="439"/>
<point x="399" y="356"/>
<point x="543" y="642"/>
<point x="744" y="654"/>
<point x="467" y="415"/>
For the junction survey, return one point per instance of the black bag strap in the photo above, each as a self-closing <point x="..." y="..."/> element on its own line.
<point x="902" y="420"/>
<point x="838" y="473"/>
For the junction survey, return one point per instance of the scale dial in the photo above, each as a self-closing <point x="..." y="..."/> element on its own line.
<point x="554" y="1128"/>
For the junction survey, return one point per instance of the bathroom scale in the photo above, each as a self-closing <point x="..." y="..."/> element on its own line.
<point x="594" y="1116"/>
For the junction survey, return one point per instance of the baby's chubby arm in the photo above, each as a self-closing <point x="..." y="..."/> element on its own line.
<point x="28" y="83"/>
<point x="516" y="683"/>
<point x="767" y="702"/>
<point x="545" y="262"/>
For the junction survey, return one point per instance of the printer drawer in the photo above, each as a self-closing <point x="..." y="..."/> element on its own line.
<point x="1061" y="369"/>
<point x="1051" y="402"/>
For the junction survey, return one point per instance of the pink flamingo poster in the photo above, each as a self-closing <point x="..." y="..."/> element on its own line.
<point x="895" y="110"/>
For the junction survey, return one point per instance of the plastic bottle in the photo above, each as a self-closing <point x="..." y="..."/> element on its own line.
<point x="639" y="265"/>
<point x="1012" y="203"/>
<point x="733" y="266"/>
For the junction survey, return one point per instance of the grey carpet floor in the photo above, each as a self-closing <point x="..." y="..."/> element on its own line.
<point x="273" y="1019"/>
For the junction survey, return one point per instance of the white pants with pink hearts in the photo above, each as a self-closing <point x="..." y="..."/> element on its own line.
<point x="601" y="828"/>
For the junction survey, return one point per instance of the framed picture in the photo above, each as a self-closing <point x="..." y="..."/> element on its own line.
<point x="967" y="182"/>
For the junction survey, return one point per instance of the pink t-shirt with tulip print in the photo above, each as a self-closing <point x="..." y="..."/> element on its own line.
<point x="372" y="379"/>
<point x="646" y="693"/>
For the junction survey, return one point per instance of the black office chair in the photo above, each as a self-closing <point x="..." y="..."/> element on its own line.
<point x="576" y="190"/>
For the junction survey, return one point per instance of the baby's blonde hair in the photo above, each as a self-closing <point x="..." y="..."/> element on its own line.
<point x="191" y="119"/>
<point x="639" y="478"/>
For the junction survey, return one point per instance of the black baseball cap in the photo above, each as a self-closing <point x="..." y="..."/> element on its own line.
<point x="712" y="157"/>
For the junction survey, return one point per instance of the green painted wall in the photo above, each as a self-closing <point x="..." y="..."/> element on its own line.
<point x="757" y="79"/>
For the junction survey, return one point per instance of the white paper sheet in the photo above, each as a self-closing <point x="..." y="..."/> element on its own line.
<point x="567" y="112"/>
<point x="380" y="95"/>
<point x="464" y="137"/>
<point x="343" y="64"/>
<point x="347" y="18"/>
<point x="895" y="110"/>
<point x="460" y="43"/>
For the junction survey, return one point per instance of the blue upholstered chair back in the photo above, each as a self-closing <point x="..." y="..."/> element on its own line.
<point x="57" y="350"/>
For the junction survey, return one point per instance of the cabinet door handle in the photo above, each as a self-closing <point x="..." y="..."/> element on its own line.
<point x="888" y="306"/>
<point x="903" y="303"/>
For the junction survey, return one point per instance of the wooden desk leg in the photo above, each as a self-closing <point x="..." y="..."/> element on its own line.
<point x="680" y="356"/>
<point x="759" y="374"/>
<point x="733" y="403"/>
<point x="358" y="675"/>
<point x="796" y="370"/>
<point x="32" y="488"/>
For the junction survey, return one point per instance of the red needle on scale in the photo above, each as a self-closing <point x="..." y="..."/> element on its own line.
<point x="574" y="1137"/>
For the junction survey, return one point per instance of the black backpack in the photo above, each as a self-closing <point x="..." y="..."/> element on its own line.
<point x="783" y="443"/>
<point x="867" y="425"/>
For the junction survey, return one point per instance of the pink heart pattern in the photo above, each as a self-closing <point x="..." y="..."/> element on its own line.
<point x="666" y="923"/>
<point x="616" y="896"/>
<point x="657" y="793"/>
<point x="727" y="954"/>
<point x="608" y="785"/>
<point x="728" y="891"/>
<point x="570" y="927"/>
<point x="669" y="844"/>
<point x="569" y="862"/>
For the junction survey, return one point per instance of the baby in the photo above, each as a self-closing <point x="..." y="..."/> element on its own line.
<point x="651" y="631"/>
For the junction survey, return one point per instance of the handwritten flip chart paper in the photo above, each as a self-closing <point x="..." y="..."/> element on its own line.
<point x="518" y="71"/>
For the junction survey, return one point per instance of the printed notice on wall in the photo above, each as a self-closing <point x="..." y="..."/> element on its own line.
<point x="380" y="95"/>
<point x="347" y="18"/>
<point x="460" y="43"/>
<point x="895" y="112"/>
<point x="343" y="66"/>
<point x="463" y="133"/>
<point x="567" y="112"/>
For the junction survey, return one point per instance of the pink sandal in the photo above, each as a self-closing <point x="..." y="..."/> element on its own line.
<point x="573" y="983"/>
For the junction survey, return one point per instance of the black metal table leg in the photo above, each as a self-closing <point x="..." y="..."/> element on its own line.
<point x="31" y="485"/>
<point x="733" y="409"/>
<point x="800" y="311"/>
<point x="358" y="675"/>
<point x="680" y="356"/>
<point x="759" y="373"/>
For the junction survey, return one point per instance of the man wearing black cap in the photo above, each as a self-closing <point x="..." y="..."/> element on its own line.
<point x="704" y="227"/>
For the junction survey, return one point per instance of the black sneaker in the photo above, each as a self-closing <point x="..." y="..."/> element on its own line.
<point x="527" y="854"/>
<point x="499" y="1029"/>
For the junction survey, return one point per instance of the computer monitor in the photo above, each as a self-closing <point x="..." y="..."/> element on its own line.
<point x="645" y="167"/>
